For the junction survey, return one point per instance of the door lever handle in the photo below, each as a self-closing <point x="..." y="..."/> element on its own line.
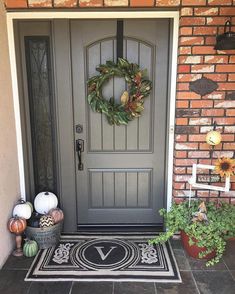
<point x="80" y="149"/>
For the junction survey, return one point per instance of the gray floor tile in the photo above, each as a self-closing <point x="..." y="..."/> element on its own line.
<point x="214" y="282"/>
<point x="181" y="259"/>
<point x="12" y="282"/>
<point x="21" y="263"/>
<point x="200" y="264"/>
<point x="229" y="255"/>
<point x="133" y="288"/>
<point x="92" y="288"/>
<point x="176" y="244"/>
<point x="50" y="288"/>
<point x="187" y="286"/>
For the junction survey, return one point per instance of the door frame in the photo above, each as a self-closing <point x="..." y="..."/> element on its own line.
<point x="50" y="15"/>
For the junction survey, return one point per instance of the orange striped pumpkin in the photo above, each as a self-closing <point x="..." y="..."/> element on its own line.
<point x="16" y="225"/>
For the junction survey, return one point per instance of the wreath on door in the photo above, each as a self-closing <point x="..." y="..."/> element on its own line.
<point x="131" y="102"/>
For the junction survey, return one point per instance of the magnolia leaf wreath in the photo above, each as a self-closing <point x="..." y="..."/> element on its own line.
<point x="131" y="102"/>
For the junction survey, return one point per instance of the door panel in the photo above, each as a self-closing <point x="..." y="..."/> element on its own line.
<point x="124" y="166"/>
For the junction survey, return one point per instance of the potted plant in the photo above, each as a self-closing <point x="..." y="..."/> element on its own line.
<point x="205" y="228"/>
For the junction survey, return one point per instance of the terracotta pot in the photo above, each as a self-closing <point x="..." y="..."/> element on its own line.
<point x="194" y="250"/>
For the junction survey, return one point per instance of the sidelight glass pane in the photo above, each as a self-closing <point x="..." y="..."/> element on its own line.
<point x="41" y="118"/>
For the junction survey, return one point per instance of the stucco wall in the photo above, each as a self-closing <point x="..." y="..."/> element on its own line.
<point x="9" y="178"/>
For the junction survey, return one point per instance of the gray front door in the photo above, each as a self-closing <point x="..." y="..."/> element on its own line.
<point x="123" y="179"/>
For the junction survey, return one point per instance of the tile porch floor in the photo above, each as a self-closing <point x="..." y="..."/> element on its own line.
<point x="219" y="279"/>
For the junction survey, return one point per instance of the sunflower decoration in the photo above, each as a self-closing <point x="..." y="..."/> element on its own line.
<point x="225" y="167"/>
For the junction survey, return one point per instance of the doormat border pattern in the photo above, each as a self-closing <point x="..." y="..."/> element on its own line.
<point x="166" y="272"/>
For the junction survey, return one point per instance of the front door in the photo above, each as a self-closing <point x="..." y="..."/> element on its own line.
<point x="123" y="177"/>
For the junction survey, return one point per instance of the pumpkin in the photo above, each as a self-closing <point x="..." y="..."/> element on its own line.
<point x="46" y="221"/>
<point x="30" y="248"/>
<point x="45" y="201"/>
<point x="57" y="214"/>
<point x="22" y="209"/>
<point x="16" y="225"/>
<point x="30" y="205"/>
<point x="34" y="220"/>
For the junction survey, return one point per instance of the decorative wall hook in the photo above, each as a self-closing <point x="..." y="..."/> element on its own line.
<point x="226" y="41"/>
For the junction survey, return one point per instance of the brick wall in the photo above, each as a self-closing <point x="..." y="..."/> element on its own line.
<point x="200" y="22"/>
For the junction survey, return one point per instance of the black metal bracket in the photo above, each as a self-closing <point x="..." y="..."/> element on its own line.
<point x="80" y="149"/>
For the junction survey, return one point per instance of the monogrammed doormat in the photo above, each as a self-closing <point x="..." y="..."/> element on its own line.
<point x="94" y="257"/>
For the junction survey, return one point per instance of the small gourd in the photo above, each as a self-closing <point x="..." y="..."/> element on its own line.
<point x="30" y="248"/>
<point x="45" y="201"/>
<point x="46" y="221"/>
<point x="57" y="214"/>
<point x="16" y="225"/>
<point x="22" y="209"/>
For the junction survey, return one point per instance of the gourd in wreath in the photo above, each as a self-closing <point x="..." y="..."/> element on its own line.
<point x="46" y="221"/>
<point x="57" y="214"/>
<point x="16" y="225"/>
<point x="30" y="248"/>
<point x="34" y="220"/>
<point x="45" y="201"/>
<point x="22" y="209"/>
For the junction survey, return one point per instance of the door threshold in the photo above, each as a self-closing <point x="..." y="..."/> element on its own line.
<point x="120" y="228"/>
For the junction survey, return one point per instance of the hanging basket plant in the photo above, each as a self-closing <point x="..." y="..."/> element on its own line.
<point x="131" y="101"/>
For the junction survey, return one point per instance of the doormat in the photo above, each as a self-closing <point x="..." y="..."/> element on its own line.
<point x="93" y="257"/>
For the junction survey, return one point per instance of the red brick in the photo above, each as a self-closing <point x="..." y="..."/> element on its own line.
<point x="188" y="77"/>
<point x="179" y="186"/>
<point x="181" y="121"/>
<point x="185" y="162"/>
<point x="180" y="154"/>
<point x="197" y="138"/>
<point x="229" y="129"/>
<point x="202" y="68"/>
<point x="225" y="121"/>
<point x="228" y="137"/>
<point x="206" y="11"/>
<point x="142" y="3"/>
<point x="204" y="50"/>
<point x="227" y="86"/>
<point x="201" y="104"/>
<point x="186" y="146"/>
<point x="181" y="138"/>
<point x="210" y="41"/>
<point x="232" y="59"/>
<point x="16" y="4"/>
<point x="231" y="77"/>
<point x="193" y="2"/>
<point x="230" y="112"/>
<point x="205" y="30"/>
<point x="185" y="50"/>
<point x="193" y="59"/>
<point x="186" y="31"/>
<point x="182" y="104"/>
<point x="186" y="11"/>
<point x="184" y="21"/>
<point x="216" y="77"/>
<point x="219" y="2"/>
<point x="180" y="170"/>
<point x="212" y="112"/>
<point x="183" y="86"/>
<point x="183" y="68"/>
<point x="199" y="121"/>
<point x="116" y="2"/>
<point x="191" y="41"/>
<point x="216" y="20"/>
<point x="227" y="11"/>
<point x="40" y="3"/>
<point x="225" y="104"/>
<point x="216" y="59"/>
<point x="198" y="154"/>
<point x="90" y="3"/>
<point x="215" y="95"/>
<point x="229" y="146"/>
<point x="167" y="3"/>
<point x="188" y="95"/>
<point x="225" y="68"/>
<point x="65" y="3"/>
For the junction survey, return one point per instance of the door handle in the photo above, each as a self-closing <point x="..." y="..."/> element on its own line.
<point x="80" y="149"/>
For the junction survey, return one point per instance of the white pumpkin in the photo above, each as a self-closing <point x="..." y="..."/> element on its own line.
<point x="45" y="201"/>
<point x="22" y="209"/>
